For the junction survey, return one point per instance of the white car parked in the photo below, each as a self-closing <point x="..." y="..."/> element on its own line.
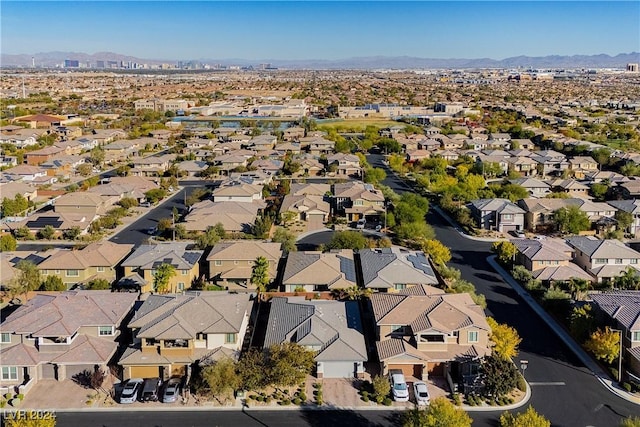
<point x="422" y="393"/>
<point x="131" y="390"/>
<point x="399" y="388"/>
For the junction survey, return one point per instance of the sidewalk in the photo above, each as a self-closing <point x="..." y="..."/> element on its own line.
<point x="563" y="335"/>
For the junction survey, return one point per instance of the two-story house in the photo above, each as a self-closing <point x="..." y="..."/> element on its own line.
<point x="333" y="329"/>
<point x="98" y="260"/>
<point x="314" y="271"/>
<point x="622" y="308"/>
<point x="427" y="333"/>
<point x="58" y="336"/>
<point x="237" y="191"/>
<point x="345" y="164"/>
<point x="147" y="258"/>
<point x="535" y="187"/>
<point x="603" y="259"/>
<point x="582" y="165"/>
<point x="394" y="269"/>
<point x="548" y="259"/>
<point x="357" y="200"/>
<point x="173" y="332"/>
<point x="231" y="263"/>
<point x="497" y="214"/>
<point x="632" y="207"/>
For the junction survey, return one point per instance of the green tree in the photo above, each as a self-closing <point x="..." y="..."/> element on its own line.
<point x="210" y="237"/>
<point x="581" y="322"/>
<point x="513" y="192"/>
<point x="628" y="280"/>
<point x="440" y="413"/>
<point x="505" y="250"/>
<point x="625" y="219"/>
<point x="415" y="231"/>
<point x="347" y="240"/>
<point x="53" y="283"/>
<point x="605" y="345"/>
<point x="8" y="243"/>
<point x="499" y="376"/>
<point x="27" y="278"/>
<point x="98" y="284"/>
<point x="381" y="388"/>
<point x="571" y="220"/>
<point x="260" y="274"/>
<point x="72" y="233"/>
<point x="505" y="339"/>
<point x="286" y="238"/>
<point x="96" y="156"/>
<point x="439" y="253"/>
<point x="528" y="418"/>
<point x="262" y="226"/>
<point x="84" y="169"/>
<point x="15" y="206"/>
<point x="252" y="368"/>
<point x="155" y="195"/>
<point x="47" y="232"/>
<point x="222" y="378"/>
<point x="289" y="364"/>
<point x="128" y="202"/>
<point x="23" y="233"/>
<point x="162" y="277"/>
<point x="123" y="170"/>
<point x="630" y="422"/>
<point x="374" y="175"/>
<point x="599" y="191"/>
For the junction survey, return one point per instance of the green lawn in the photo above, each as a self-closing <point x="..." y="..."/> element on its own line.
<point x="356" y="125"/>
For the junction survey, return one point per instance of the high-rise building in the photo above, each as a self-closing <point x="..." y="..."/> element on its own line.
<point x="71" y="63"/>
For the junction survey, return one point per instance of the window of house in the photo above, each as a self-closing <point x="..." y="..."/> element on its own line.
<point x="357" y="203"/>
<point x="432" y="338"/>
<point x="72" y="273"/>
<point x="9" y="372"/>
<point x="507" y="216"/>
<point x="635" y="336"/>
<point x="473" y="336"/>
<point x="218" y="262"/>
<point x="100" y="269"/>
<point x="600" y="261"/>
<point x="618" y="261"/>
<point x="181" y="286"/>
<point x="184" y="272"/>
<point x="633" y="261"/>
<point x="5" y="337"/>
<point x="229" y="338"/>
<point x="105" y="330"/>
<point x="400" y="286"/>
<point x="397" y="329"/>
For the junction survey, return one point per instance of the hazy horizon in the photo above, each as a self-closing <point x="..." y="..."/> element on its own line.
<point x="183" y="30"/>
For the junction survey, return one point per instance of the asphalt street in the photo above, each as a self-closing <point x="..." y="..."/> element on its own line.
<point x="563" y="389"/>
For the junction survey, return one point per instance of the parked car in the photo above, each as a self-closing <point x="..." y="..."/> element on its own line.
<point x="361" y="223"/>
<point x="399" y="388"/>
<point x="150" y="390"/>
<point x="131" y="389"/>
<point x="171" y="390"/>
<point x="145" y="204"/>
<point x="422" y="393"/>
<point x="152" y="230"/>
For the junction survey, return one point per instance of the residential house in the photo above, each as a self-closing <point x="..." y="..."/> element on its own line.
<point x="357" y="200"/>
<point x="235" y="217"/>
<point x="192" y="167"/>
<point x="486" y="162"/>
<point x="428" y="333"/>
<point x="63" y="165"/>
<point x="293" y="133"/>
<point x="121" y="150"/>
<point x="497" y="214"/>
<point x="87" y="142"/>
<point x="313" y="209"/>
<point x="632" y="207"/>
<point x="332" y="329"/>
<point x="394" y="269"/>
<point x="262" y="143"/>
<point x="232" y="160"/>
<point x="288" y="147"/>
<point x="314" y="271"/>
<point x="317" y="145"/>
<point x="152" y="165"/>
<point x="10" y="190"/>
<point x="147" y="258"/>
<point x="309" y="166"/>
<point x="98" y="260"/>
<point x="523" y="165"/>
<point x="84" y="203"/>
<point x="447" y="143"/>
<point x="316" y="189"/>
<point x="61" y="222"/>
<point x="582" y="165"/>
<point x="59" y="336"/>
<point x="522" y="144"/>
<point x="539" y="213"/>
<point x="548" y="259"/>
<point x="237" y="191"/>
<point x="345" y="164"/>
<point x="270" y="166"/>
<point x="603" y="259"/>
<point x="630" y="189"/>
<point x="25" y="173"/>
<point x="550" y="163"/>
<point x="429" y="145"/>
<point x="42" y="155"/>
<point x="171" y="333"/>
<point x="535" y="187"/>
<point x="8" y="161"/>
<point x="231" y="263"/>
<point x="622" y="309"/>
<point x="40" y="121"/>
<point x="417" y="155"/>
<point x="571" y="187"/>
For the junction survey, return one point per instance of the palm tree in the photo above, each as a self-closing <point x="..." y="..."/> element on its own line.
<point x="260" y="274"/>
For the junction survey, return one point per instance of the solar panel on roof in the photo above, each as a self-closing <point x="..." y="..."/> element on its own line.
<point x="43" y="221"/>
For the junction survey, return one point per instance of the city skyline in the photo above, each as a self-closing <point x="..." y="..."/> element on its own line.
<point x="321" y="30"/>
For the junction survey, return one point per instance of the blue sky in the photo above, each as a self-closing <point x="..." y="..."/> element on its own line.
<point x="321" y="30"/>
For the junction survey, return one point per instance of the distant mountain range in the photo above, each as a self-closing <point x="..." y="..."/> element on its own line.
<point x="52" y="59"/>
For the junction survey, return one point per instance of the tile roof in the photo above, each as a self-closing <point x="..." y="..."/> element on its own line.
<point x="333" y="328"/>
<point x="623" y="306"/>
<point x="385" y="267"/>
<point x="97" y="254"/>
<point x="245" y="251"/>
<point x="562" y="273"/>
<point x="596" y="248"/>
<point x="334" y="269"/>
<point x="178" y="254"/>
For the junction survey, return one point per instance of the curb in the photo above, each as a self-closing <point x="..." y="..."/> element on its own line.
<point x="588" y="362"/>
<point x="456" y="227"/>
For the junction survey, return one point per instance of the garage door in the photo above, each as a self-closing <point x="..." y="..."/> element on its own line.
<point x="409" y="370"/>
<point x="314" y="222"/>
<point x="73" y="370"/>
<point x="509" y="228"/>
<point x="48" y="371"/>
<point x="339" y="369"/>
<point x="145" y="371"/>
